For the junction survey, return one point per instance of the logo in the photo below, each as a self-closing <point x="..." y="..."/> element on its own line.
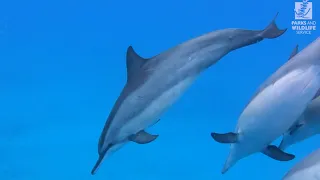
<point x="303" y="10"/>
<point x="303" y="22"/>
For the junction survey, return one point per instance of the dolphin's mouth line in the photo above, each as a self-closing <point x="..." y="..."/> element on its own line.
<point x="101" y="156"/>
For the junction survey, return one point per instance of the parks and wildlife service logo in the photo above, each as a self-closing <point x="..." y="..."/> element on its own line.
<point x="303" y="23"/>
<point x="303" y="10"/>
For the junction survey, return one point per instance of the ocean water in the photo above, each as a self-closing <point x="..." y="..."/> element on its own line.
<point x="62" y="66"/>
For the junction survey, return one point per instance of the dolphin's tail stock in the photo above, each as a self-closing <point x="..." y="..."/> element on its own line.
<point x="272" y="30"/>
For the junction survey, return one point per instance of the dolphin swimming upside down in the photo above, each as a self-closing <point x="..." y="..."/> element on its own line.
<point x="277" y="105"/>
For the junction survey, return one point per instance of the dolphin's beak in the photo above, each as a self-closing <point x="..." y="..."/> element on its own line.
<point x="226" y="167"/>
<point x="96" y="166"/>
<point x="229" y="163"/>
<point x="99" y="161"/>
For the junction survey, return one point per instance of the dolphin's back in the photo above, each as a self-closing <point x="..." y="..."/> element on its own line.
<point x="307" y="57"/>
<point x="311" y="160"/>
<point x="125" y="92"/>
<point x="143" y="77"/>
<point x="135" y="78"/>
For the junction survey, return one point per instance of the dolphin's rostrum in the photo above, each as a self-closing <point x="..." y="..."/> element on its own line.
<point x="153" y="84"/>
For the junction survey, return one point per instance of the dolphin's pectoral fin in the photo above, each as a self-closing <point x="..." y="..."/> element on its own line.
<point x="143" y="137"/>
<point x="225" y="138"/>
<point x="275" y="153"/>
<point x="282" y="144"/>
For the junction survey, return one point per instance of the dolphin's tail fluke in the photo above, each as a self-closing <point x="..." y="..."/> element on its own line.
<point x="272" y="30"/>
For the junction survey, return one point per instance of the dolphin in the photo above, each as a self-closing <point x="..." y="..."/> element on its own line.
<point x="154" y="84"/>
<point x="307" y="169"/>
<point x="307" y="125"/>
<point x="274" y="108"/>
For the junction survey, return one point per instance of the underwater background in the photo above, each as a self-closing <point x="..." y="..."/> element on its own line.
<point x="62" y="66"/>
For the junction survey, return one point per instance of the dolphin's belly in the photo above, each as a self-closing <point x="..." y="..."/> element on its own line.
<point x="301" y="134"/>
<point x="311" y="126"/>
<point x="310" y="173"/>
<point x="278" y="106"/>
<point x="152" y="112"/>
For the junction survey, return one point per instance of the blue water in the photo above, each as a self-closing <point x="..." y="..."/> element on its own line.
<point x="63" y="66"/>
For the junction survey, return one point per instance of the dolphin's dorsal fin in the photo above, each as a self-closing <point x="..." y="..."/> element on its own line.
<point x="134" y="63"/>
<point x="294" y="52"/>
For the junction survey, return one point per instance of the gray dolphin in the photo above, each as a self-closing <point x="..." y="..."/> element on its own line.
<point x="307" y="126"/>
<point x="307" y="169"/>
<point x="155" y="83"/>
<point x="275" y="107"/>
<point x="308" y="123"/>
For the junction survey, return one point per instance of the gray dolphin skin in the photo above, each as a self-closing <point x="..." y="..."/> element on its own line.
<point x="308" y="123"/>
<point x="275" y="107"/>
<point x="307" y="169"/>
<point x="307" y="126"/>
<point x="154" y="84"/>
